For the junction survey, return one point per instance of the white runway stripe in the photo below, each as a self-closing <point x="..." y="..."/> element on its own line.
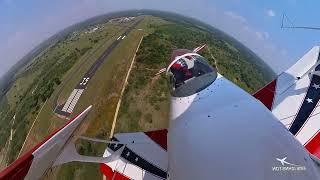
<point x="65" y="107"/>
<point x="72" y="100"/>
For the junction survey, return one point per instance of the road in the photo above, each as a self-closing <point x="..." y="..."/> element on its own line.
<point x="67" y="108"/>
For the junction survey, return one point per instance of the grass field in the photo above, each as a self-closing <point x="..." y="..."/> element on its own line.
<point x="145" y="103"/>
<point x="103" y="93"/>
<point x="41" y="78"/>
<point x="47" y="120"/>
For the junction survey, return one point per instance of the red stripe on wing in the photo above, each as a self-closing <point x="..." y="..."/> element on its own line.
<point x="313" y="146"/>
<point x="160" y="137"/>
<point x="110" y="174"/>
<point x="19" y="169"/>
<point x="266" y="94"/>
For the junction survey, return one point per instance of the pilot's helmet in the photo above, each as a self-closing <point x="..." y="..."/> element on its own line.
<point x="182" y="62"/>
<point x="189" y="60"/>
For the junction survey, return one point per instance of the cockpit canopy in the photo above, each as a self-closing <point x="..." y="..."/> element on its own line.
<point x="189" y="74"/>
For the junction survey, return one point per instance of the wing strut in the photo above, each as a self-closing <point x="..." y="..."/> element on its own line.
<point x="70" y="154"/>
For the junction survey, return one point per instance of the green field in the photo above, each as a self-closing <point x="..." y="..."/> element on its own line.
<point x="40" y="79"/>
<point x="103" y="93"/>
<point x="53" y="74"/>
<point x="47" y="119"/>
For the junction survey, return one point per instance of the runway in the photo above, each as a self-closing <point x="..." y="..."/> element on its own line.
<point x="67" y="108"/>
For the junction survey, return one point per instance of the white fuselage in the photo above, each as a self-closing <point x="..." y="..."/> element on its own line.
<point x="222" y="132"/>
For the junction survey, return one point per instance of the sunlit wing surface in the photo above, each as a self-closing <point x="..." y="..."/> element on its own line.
<point x="223" y="127"/>
<point x="143" y="157"/>
<point x="294" y="99"/>
<point x="216" y="128"/>
<point x="37" y="161"/>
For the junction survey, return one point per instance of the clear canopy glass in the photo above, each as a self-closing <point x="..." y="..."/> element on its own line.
<point x="189" y="74"/>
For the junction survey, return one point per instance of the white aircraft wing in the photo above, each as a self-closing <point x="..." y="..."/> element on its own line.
<point x="144" y="156"/>
<point x="293" y="97"/>
<point x="56" y="149"/>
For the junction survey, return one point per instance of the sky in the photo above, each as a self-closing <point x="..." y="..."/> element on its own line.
<point x="255" y="23"/>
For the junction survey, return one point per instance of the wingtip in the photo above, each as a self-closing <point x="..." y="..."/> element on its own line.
<point x="87" y="110"/>
<point x="89" y="107"/>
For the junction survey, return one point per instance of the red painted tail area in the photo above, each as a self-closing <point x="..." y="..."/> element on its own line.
<point x="266" y="94"/>
<point x="110" y="174"/>
<point x="159" y="137"/>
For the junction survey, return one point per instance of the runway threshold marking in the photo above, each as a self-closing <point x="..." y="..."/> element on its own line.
<point x="72" y="100"/>
<point x="122" y="91"/>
